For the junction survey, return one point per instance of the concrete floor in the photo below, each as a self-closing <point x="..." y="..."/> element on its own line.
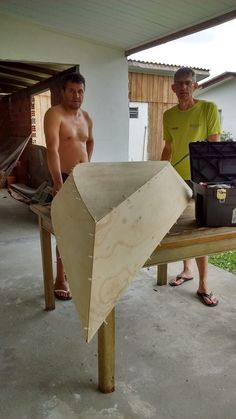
<point x="175" y="357"/>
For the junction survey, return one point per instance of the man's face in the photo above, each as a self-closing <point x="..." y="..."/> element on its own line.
<point x="184" y="87"/>
<point x="73" y="95"/>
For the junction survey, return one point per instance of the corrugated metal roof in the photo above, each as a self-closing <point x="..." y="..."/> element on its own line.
<point x="162" y="69"/>
<point x="221" y="78"/>
<point x="131" y="25"/>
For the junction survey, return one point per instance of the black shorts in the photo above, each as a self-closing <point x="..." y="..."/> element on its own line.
<point x="64" y="176"/>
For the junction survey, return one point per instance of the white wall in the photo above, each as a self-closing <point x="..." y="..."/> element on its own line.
<point x="105" y="70"/>
<point x="224" y="96"/>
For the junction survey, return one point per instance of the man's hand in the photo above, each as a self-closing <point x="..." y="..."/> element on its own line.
<point x="167" y="151"/>
<point x="56" y="188"/>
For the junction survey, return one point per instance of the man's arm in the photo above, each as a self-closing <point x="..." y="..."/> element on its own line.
<point x="214" y="137"/>
<point x="51" y="130"/>
<point x="90" y="141"/>
<point x="213" y="123"/>
<point x="167" y="151"/>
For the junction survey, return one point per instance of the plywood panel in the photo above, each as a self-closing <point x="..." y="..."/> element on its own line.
<point x="108" y="218"/>
<point x="75" y="244"/>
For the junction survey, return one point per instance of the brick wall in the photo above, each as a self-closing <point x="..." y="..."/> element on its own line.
<point x="20" y="116"/>
<point x="55" y="94"/>
<point x="4" y="120"/>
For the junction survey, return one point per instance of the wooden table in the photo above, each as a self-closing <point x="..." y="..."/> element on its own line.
<point x="185" y="240"/>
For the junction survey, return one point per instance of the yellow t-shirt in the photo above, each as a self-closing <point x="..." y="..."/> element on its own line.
<point x="183" y="127"/>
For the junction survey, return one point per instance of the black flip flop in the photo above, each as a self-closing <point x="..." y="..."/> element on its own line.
<point x="172" y="284"/>
<point x="202" y="296"/>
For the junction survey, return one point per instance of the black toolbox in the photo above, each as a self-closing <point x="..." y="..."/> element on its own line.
<point x="213" y="174"/>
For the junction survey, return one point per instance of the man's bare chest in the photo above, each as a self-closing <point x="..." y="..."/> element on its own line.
<point x="74" y="129"/>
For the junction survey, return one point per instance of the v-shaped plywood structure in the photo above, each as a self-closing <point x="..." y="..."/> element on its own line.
<point x="108" y="218"/>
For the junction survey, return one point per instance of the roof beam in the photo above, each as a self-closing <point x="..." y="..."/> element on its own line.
<point x="14" y="82"/>
<point x="183" y="32"/>
<point x="19" y="74"/>
<point x="30" y="67"/>
<point x="46" y="84"/>
<point x="8" y="88"/>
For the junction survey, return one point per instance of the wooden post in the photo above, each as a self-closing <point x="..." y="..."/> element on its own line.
<point x="106" y="354"/>
<point x="45" y="238"/>
<point x="162" y="274"/>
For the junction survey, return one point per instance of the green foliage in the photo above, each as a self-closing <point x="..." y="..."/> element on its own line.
<point x="226" y="136"/>
<point x="226" y="261"/>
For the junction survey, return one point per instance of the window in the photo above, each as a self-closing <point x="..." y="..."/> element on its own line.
<point x="133" y="112"/>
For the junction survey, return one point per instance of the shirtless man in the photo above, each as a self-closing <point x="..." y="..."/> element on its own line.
<point x="69" y="140"/>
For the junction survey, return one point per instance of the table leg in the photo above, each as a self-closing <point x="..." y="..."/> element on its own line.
<point x="46" y="250"/>
<point x="106" y="354"/>
<point x="162" y="274"/>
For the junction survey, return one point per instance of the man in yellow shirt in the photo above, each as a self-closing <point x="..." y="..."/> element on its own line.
<point x="190" y="120"/>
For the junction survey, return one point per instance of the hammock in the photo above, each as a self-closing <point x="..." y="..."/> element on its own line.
<point x="10" y="152"/>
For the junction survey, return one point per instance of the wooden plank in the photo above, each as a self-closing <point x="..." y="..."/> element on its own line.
<point x="192" y="251"/>
<point x="162" y="274"/>
<point x="155" y="136"/>
<point x="150" y="88"/>
<point x="139" y="77"/>
<point x="29" y="67"/>
<point x="44" y="85"/>
<point x="165" y="90"/>
<point x="153" y="132"/>
<point x="133" y="88"/>
<point x="106" y="354"/>
<point x="156" y="88"/>
<point x="160" y="84"/>
<point x="159" y="134"/>
<point x="20" y="74"/>
<point x="45" y="238"/>
<point x="144" y="88"/>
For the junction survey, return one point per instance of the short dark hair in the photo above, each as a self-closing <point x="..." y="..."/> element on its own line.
<point x="74" y="78"/>
<point x="185" y="71"/>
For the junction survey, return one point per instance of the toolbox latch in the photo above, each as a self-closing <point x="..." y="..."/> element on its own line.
<point x="221" y="194"/>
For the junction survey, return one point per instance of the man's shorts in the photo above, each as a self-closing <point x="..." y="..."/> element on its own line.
<point x="64" y="176"/>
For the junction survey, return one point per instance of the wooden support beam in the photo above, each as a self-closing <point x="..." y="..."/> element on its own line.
<point x="21" y="74"/>
<point x="45" y="238"/>
<point x="46" y="84"/>
<point x="162" y="274"/>
<point x="106" y="354"/>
